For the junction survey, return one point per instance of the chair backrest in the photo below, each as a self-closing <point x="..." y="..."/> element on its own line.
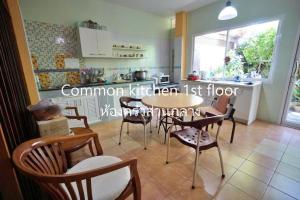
<point x="201" y="123"/>
<point x="221" y="103"/>
<point x="46" y="160"/>
<point x="125" y="101"/>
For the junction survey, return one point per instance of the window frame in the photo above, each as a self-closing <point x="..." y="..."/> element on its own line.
<point x="280" y="19"/>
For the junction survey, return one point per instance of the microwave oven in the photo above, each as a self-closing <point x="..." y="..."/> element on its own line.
<point x="163" y="79"/>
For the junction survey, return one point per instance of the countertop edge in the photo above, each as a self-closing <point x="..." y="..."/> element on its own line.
<point x="255" y="83"/>
<point x="101" y="85"/>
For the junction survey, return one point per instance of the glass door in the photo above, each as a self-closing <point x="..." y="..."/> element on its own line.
<point x="291" y="115"/>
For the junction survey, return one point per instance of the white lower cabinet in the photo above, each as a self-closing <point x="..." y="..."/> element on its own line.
<point x="92" y="109"/>
<point x="63" y="102"/>
<point x="116" y="102"/>
<point x="142" y="91"/>
<point x="247" y="98"/>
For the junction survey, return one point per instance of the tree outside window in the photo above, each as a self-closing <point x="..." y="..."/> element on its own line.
<point x="248" y="51"/>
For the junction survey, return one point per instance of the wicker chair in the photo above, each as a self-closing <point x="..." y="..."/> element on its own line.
<point x="194" y="136"/>
<point x="134" y="115"/>
<point x="98" y="177"/>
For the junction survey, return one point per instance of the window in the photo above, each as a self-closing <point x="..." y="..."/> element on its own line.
<point x="173" y="22"/>
<point x="246" y="52"/>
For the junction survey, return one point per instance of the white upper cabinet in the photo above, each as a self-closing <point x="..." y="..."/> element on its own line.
<point x="88" y="42"/>
<point x="104" y="43"/>
<point x="95" y="43"/>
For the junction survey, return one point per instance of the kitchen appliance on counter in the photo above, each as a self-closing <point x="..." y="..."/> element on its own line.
<point x="92" y="75"/>
<point x="140" y="75"/>
<point x="162" y="79"/>
<point x="193" y="77"/>
<point x="128" y="76"/>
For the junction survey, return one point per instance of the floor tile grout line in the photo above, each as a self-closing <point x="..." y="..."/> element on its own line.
<point x="282" y="192"/>
<point x="246" y="158"/>
<point x="241" y="191"/>
<point x="269" y="184"/>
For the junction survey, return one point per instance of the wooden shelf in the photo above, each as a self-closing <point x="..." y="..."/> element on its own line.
<point x="55" y="70"/>
<point x="127" y="57"/>
<point x="127" y="49"/>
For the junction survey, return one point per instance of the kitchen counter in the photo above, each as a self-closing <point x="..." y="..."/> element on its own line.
<point x="102" y="105"/>
<point x="246" y="101"/>
<point x="169" y="85"/>
<point x="101" y="84"/>
<point x="57" y="92"/>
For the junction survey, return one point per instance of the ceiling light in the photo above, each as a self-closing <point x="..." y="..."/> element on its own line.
<point x="229" y="12"/>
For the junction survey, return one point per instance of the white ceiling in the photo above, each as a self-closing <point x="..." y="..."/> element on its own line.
<point x="163" y="7"/>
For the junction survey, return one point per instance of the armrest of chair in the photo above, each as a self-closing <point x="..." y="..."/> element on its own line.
<point x="84" y="118"/>
<point x="208" y="114"/>
<point x="73" y="108"/>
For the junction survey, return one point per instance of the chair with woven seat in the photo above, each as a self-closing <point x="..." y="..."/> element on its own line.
<point x="45" y="160"/>
<point x="221" y="105"/>
<point x="135" y="115"/>
<point x="194" y="135"/>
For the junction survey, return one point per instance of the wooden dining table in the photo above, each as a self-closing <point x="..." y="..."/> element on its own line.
<point x="171" y="101"/>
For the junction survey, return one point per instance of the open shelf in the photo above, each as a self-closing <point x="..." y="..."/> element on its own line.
<point x="127" y="49"/>
<point x="55" y="70"/>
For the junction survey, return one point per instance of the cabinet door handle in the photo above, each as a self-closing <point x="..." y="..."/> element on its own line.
<point x="101" y="54"/>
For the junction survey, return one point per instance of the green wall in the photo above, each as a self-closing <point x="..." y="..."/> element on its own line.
<point x="126" y="25"/>
<point x="204" y="20"/>
<point x="119" y="19"/>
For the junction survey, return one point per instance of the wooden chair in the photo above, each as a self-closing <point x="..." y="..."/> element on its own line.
<point x="222" y="105"/>
<point x="99" y="177"/>
<point x="194" y="136"/>
<point x="78" y="130"/>
<point x="135" y="115"/>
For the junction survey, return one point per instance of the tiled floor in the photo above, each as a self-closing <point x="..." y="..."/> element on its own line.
<point x="262" y="163"/>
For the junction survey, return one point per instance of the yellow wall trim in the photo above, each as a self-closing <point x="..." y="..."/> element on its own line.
<point x="181" y="31"/>
<point x="18" y="27"/>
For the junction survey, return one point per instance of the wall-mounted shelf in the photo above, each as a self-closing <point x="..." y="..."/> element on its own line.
<point x="127" y="49"/>
<point x="127" y="57"/>
<point x="55" y="70"/>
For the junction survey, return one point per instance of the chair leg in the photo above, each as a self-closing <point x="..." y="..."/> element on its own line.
<point x="195" y="168"/>
<point x="127" y="128"/>
<point x="221" y="161"/>
<point x="121" y="133"/>
<point x="145" y="138"/>
<point x="168" y="148"/>
<point x="157" y="118"/>
<point x="160" y="120"/>
<point x="150" y="127"/>
<point x="159" y="125"/>
<point x="233" y="129"/>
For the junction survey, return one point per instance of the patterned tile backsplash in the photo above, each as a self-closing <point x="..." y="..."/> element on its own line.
<point x="46" y="41"/>
<point x="50" y="44"/>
